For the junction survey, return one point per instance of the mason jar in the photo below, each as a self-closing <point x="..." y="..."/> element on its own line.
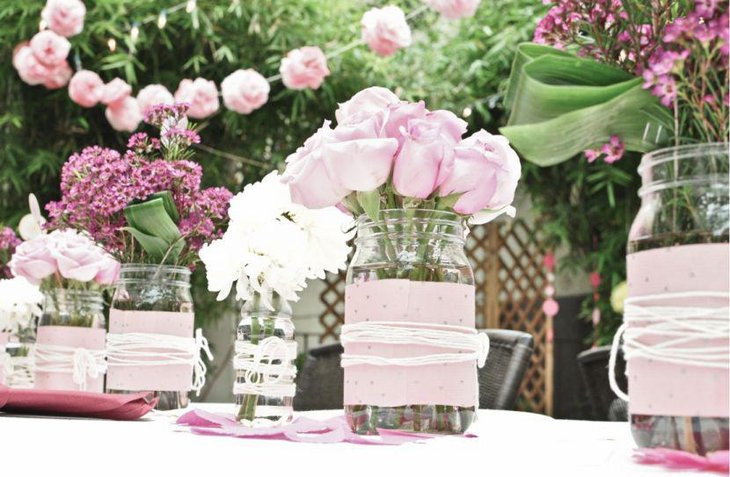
<point x="410" y="269"/>
<point x="677" y="268"/>
<point x="70" y="342"/>
<point x="264" y="362"/>
<point x="152" y="301"/>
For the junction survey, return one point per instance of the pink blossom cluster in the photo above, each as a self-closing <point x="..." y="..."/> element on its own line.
<point x="8" y="242"/>
<point x="611" y="151"/>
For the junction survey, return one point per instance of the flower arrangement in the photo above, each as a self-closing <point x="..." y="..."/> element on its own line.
<point x="19" y="303"/>
<point x="146" y="205"/>
<point x="8" y="242"/>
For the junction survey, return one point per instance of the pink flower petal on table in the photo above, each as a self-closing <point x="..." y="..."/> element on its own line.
<point x="681" y="460"/>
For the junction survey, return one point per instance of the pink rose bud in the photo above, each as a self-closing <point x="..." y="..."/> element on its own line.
<point x="33" y="260"/>
<point x="85" y="88"/>
<point x="201" y="95"/>
<point x="454" y="9"/>
<point x="486" y="171"/>
<point x="385" y="30"/>
<point x="65" y="17"/>
<point x="304" y="68"/>
<point x="49" y="47"/>
<point x="78" y="257"/>
<point x="115" y="92"/>
<point x="124" y="115"/>
<point x="244" y="91"/>
<point x="399" y="115"/>
<point x="152" y="95"/>
<point x="58" y="76"/>
<point x="368" y="101"/>
<point x="29" y="68"/>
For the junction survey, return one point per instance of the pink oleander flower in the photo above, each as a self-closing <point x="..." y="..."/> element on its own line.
<point x="245" y="91"/>
<point x="124" y="115"/>
<point x="79" y="258"/>
<point x="485" y="173"/>
<point x="115" y="92"/>
<point x="454" y="9"/>
<point x="33" y="259"/>
<point x="304" y="68"/>
<point x="58" y="76"/>
<point x="200" y="94"/>
<point x="49" y="48"/>
<point x="385" y="30"/>
<point x="152" y="95"/>
<point x="85" y="88"/>
<point x="65" y="17"/>
<point x="29" y="68"/>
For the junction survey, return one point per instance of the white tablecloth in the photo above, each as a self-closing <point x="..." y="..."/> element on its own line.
<point x="509" y="444"/>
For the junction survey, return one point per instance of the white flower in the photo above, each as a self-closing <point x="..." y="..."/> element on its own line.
<point x="259" y="203"/>
<point x="19" y="303"/>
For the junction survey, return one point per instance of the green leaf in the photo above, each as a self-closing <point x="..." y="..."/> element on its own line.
<point x="370" y="202"/>
<point x="561" y="105"/>
<point x="153" y="227"/>
<point x="168" y="202"/>
<point x="155" y="247"/>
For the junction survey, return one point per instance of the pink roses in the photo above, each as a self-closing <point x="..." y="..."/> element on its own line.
<point x="385" y="30"/>
<point x="122" y="111"/>
<point x="381" y="143"/>
<point x="304" y="68"/>
<point x="65" y="17"/>
<point x="43" y="60"/>
<point x="245" y="90"/>
<point x="66" y="253"/>
<point x="200" y="94"/>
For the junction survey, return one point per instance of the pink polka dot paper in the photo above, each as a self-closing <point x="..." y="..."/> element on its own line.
<point x="73" y="337"/>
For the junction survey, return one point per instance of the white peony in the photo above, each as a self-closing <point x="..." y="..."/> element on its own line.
<point x="19" y="303"/>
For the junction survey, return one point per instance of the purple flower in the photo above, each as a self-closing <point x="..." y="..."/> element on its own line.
<point x="705" y="8"/>
<point x="666" y="90"/>
<point x="8" y="243"/>
<point x="613" y="150"/>
<point x="161" y="114"/>
<point x="180" y="137"/>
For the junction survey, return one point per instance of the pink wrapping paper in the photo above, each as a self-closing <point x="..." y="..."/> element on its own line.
<point x="177" y="377"/>
<point x="453" y="384"/>
<point x="74" y="337"/>
<point x="4" y="337"/>
<point x="665" y="389"/>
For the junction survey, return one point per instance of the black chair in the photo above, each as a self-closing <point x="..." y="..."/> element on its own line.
<point x="320" y="382"/>
<point x="603" y="402"/>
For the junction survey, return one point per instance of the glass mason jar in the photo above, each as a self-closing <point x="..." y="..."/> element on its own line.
<point x="145" y="290"/>
<point x="418" y="246"/>
<point x="684" y="211"/>
<point x="63" y="307"/>
<point x="264" y="362"/>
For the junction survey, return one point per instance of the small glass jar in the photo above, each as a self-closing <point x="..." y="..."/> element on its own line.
<point x="418" y="246"/>
<point x="151" y="295"/>
<point x="684" y="215"/>
<point x="64" y="307"/>
<point x="265" y="398"/>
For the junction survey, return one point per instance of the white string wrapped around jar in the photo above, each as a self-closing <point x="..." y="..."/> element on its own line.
<point x="19" y="372"/>
<point x="154" y="349"/>
<point x="683" y="325"/>
<point x="472" y="345"/>
<point x="81" y="363"/>
<point x="267" y="366"/>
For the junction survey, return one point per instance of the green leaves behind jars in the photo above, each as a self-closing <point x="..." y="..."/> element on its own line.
<point x="561" y="104"/>
<point x="153" y="223"/>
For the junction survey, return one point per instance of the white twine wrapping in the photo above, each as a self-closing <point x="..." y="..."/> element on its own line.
<point x="471" y="345"/>
<point x="81" y="363"/>
<point x="268" y="368"/>
<point x="683" y="329"/>
<point x="6" y="365"/>
<point x="153" y="349"/>
<point x="19" y="372"/>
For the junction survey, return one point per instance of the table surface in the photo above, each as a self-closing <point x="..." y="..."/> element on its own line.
<point x="509" y="443"/>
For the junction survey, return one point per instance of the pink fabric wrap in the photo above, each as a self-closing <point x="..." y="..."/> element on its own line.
<point x="74" y="337"/>
<point x="453" y="384"/>
<point x="664" y="389"/>
<point x="177" y="377"/>
<point x="4" y="337"/>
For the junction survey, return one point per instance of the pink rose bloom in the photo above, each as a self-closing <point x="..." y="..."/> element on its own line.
<point x="58" y="76"/>
<point x="398" y="117"/>
<point x="304" y="68"/>
<point x="33" y="260"/>
<point x="485" y="173"/>
<point x="79" y="258"/>
<point x="65" y="17"/>
<point x="115" y="92"/>
<point x="385" y="30"/>
<point x="368" y="101"/>
<point x="124" y="115"/>
<point x="454" y="9"/>
<point x="108" y="270"/>
<point x="49" y="47"/>
<point x="152" y="95"/>
<point x="85" y="88"/>
<point x="201" y="95"/>
<point x="29" y="68"/>
<point x="245" y="90"/>
<point x="426" y="157"/>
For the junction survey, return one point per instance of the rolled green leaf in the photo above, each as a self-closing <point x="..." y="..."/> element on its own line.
<point x="151" y="225"/>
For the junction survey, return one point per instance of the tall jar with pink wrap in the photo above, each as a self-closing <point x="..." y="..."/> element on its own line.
<point x="409" y="270"/>
<point x="676" y="316"/>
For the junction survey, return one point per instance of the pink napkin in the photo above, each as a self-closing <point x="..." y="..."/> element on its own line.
<point x="121" y="407"/>
<point x="674" y="459"/>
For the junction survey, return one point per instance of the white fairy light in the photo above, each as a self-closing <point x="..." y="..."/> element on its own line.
<point x="466" y="113"/>
<point x="190" y="6"/>
<point x="162" y="19"/>
<point x="112" y="44"/>
<point x="134" y="32"/>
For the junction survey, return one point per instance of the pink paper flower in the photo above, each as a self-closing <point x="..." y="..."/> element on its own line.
<point x="385" y="30"/>
<point x="115" y="92"/>
<point x="367" y="101"/>
<point x="454" y="9"/>
<point x="79" y="258"/>
<point x="58" y="76"/>
<point x="65" y="17"/>
<point x="244" y="91"/>
<point x="33" y="260"/>
<point x="486" y="171"/>
<point x="152" y="95"/>
<point x="49" y="47"/>
<point x="124" y="115"/>
<point x="304" y="68"/>
<point x="29" y="68"/>
<point x="85" y="88"/>
<point x="201" y="95"/>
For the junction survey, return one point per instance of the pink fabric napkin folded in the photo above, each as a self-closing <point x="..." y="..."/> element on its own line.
<point x="121" y="407"/>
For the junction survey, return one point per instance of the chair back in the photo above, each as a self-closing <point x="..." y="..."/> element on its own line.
<point x="500" y="378"/>
<point x="594" y="372"/>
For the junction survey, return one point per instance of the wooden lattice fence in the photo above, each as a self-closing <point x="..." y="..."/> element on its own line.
<point x="507" y="261"/>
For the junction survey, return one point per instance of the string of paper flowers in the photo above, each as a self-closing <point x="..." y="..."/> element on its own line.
<point x="44" y="61"/>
